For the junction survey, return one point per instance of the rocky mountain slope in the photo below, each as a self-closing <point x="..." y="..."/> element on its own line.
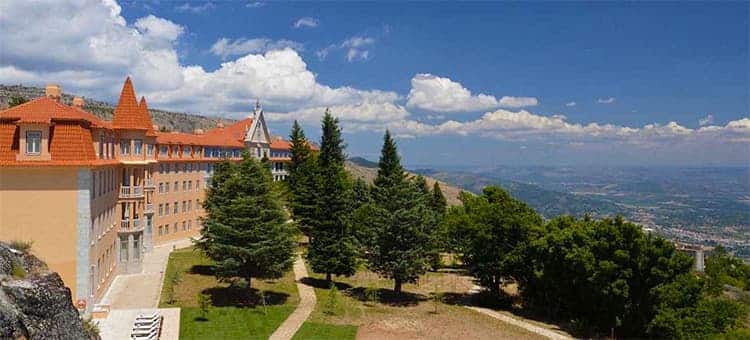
<point x="366" y="170"/>
<point x="170" y="121"/>
<point x="34" y="302"/>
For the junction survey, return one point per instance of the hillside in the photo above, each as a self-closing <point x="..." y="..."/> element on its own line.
<point x="171" y="121"/>
<point x="364" y="169"/>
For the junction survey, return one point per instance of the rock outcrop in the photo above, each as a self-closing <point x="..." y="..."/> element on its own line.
<point x="34" y="302"/>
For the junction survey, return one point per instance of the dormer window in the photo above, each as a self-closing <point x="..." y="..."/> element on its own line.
<point x="150" y="149"/>
<point x="33" y="142"/>
<point x="125" y="146"/>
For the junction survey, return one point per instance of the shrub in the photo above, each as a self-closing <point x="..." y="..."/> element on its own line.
<point x="22" y="246"/>
<point x="17" y="270"/>
<point x="333" y="300"/>
<point x="204" y="303"/>
<point x="91" y="328"/>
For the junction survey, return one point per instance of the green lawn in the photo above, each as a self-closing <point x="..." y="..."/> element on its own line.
<point x="236" y="313"/>
<point x="320" y="331"/>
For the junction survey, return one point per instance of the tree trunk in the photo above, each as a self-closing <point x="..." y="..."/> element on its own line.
<point x="328" y="278"/>
<point x="397" y="285"/>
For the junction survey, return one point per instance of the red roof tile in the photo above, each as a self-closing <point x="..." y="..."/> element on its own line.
<point x="7" y="138"/>
<point x="128" y="114"/>
<point x="44" y="110"/>
<point x="71" y="142"/>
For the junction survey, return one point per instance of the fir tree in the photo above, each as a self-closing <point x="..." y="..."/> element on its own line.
<point x="422" y="186"/>
<point x="360" y="193"/>
<point x="400" y="222"/>
<point x="302" y="179"/>
<point x="438" y="202"/>
<point x="245" y="231"/>
<point x="333" y="246"/>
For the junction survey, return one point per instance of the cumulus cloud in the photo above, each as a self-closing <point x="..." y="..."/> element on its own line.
<point x="439" y="94"/>
<point x="709" y="119"/>
<point x="608" y="100"/>
<point x="225" y="48"/>
<point x="309" y="22"/>
<point x="356" y="48"/>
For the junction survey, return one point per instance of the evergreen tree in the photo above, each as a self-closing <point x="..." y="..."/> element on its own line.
<point x="333" y="247"/>
<point x="400" y="222"/>
<point x="16" y="100"/>
<point x="245" y="231"/>
<point x="438" y="202"/>
<point x="360" y="193"/>
<point x="422" y="186"/>
<point x="302" y="179"/>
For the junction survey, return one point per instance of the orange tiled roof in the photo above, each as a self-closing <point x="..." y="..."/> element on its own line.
<point x="232" y="135"/>
<point x="71" y="142"/>
<point x="128" y="113"/>
<point x="7" y="138"/>
<point x="280" y="144"/>
<point x="43" y="110"/>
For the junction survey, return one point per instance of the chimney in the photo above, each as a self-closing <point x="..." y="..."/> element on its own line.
<point x="53" y="91"/>
<point x="220" y="125"/>
<point x="78" y="102"/>
<point x="155" y="127"/>
<point x="198" y="131"/>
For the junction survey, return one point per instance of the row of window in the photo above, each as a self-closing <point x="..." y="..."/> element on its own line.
<point x="102" y="223"/>
<point x="176" y="151"/>
<point x="186" y="167"/>
<point x="102" y="182"/>
<point x="186" y="225"/>
<point x="105" y="260"/>
<point x="186" y="206"/>
<point x="280" y="154"/>
<point x="186" y="186"/>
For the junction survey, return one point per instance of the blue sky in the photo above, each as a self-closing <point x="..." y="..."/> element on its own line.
<point x="477" y="84"/>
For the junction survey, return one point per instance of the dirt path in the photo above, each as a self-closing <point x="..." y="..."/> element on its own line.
<point x="306" y="305"/>
<point x="548" y="333"/>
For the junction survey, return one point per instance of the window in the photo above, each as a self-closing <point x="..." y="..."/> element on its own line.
<point x="161" y="187"/>
<point x="33" y="142"/>
<point x="184" y="206"/>
<point x="101" y="147"/>
<point x="186" y="150"/>
<point x="166" y="229"/>
<point x="161" y="209"/>
<point x="190" y="205"/>
<point x="176" y="186"/>
<point x="138" y="146"/>
<point x="166" y="187"/>
<point x="125" y="146"/>
<point x="166" y="209"/>
<point x="161" y="230"/>
<point x="176" y="208"/>
<point x="175" y="227"/>
<point x="184" y="225"/>
<point x="150" y="149"/>
<point x="161" y="168"/>
<point x="190" y="185"/>
<point x="123" y="250"/>
<point x="136" y="248"/>
<point x="190" y="224"/>
<point x="197" y="185"/>
<point x="163" y="151"/>
<point x="184" y="185"/>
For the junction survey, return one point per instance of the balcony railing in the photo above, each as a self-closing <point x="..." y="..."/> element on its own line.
<point x="149" y="183"/>
<point x="131" y="192"/>
<point x="149" y="208"/>
<point x="125" y="224"/>
<point x="136" y="223"/>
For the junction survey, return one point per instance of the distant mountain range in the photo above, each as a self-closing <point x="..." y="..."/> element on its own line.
<point x="170" y="121"/>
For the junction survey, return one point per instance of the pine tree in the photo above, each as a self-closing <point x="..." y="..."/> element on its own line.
<point x="245" y="231"/>
<point x="302" y="179"/>
<point x="400" y="220"/>
<point x="422" y="186"/>
<point x="360" y="193"/>
<point x="333" y="246"/>
<point x="438" y="202"/>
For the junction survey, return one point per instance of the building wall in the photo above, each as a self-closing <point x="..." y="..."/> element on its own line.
<point x="104" y="223"/>
<point x="41" y="205"/>
<point x="181" y="184"/>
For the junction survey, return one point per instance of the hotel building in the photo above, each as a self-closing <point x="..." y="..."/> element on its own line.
<point x="93" y="195"/>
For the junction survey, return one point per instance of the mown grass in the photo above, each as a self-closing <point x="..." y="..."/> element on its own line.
<point x="321" y="331"/>
<point x="236" y="312"/>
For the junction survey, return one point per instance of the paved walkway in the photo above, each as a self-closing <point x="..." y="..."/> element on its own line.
<point x="548" y="333"/>
<point x="133" y="294"/>
<point x="119" y="323"/>
<point x="306" y="305"/>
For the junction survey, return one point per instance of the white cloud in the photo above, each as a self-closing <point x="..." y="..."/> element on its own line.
<point x="225" y="47"/>
<point x="439" y="94"/>
<point x="709" y="119"/>
<point x="187" y="7"/>
<point x="357" y="48"/>
<point x="309" y="22"/>
<point x="570" y="104"/>
<point x="255" y="4"/>
<point x="608" y="100"/>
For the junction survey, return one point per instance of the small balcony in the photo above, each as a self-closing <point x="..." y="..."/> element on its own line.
<point x="149" y="183"/>
<point x="137" y="223"/>
<point x="125" y="224"/>
<point x="131" y="192"/>
<point x="149" y="209"/>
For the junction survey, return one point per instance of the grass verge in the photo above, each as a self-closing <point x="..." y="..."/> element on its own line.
<point x="321" y="331"/>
